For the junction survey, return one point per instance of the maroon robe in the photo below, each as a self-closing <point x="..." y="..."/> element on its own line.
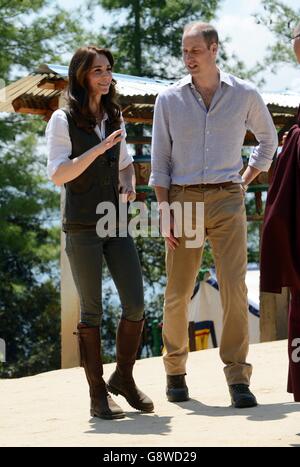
<point x="293" y="345"/>
<point x="280" y="246"/>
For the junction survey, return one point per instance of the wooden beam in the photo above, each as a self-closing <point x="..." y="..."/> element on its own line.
<point x="283" y="120"/>
<point x="59" y="84"/>
<point x="125" y="109"/>
<point x="255" y="218"/>
<point x="22" y="107"/>
<point x="27" y="110"/>
<point x="140" y="140"/>
<point x="132" y="100"/>
<point x="250" y="139"/>
<point x="276" y="109"/>
<point x="47" y="85"/>
<point x="138" y="120"/>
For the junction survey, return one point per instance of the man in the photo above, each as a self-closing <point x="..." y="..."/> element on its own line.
<point x="198" y="132"/>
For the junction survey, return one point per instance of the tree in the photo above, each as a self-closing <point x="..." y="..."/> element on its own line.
<point x="29" y="293"/>
<point x="29" y="241"/>
<point x="281" y="20"/>
<point x="146" y="36"/>
<point x="149" y="38"/>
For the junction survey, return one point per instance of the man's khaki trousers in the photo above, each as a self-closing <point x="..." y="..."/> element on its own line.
<point x="225" y="227"/>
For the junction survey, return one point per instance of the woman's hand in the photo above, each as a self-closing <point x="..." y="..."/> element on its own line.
<point x="72" y="168"/>
<point x="128" y="193"/>
<point x="113" y="139"/>
<point x="127" y="184"/>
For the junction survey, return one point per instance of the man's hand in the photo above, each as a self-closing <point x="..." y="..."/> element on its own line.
<point x="166" y="223"/>
<point x="284" y="138"/>
<point x="250" y="174"/>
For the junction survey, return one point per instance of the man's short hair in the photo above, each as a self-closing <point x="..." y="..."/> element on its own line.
<point x="209" y="33"/>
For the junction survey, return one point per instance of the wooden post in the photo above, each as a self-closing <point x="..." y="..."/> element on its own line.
<point x="70" y="310"/>
<point x="273" y="315"/>
<point x="273" y="310"/>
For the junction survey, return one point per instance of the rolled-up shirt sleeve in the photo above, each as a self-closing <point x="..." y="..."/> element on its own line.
<point x="125" y="158"/>
<point x="59" y="146"/>
<point x="161" y="146"/>
<point x="260" y="123"/>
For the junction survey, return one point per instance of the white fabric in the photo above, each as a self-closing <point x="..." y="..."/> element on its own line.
<point x="59" y="144"/>
<point x="206" y="306"/>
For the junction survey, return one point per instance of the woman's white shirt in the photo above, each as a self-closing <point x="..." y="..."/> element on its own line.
<point x="59" y="144"/>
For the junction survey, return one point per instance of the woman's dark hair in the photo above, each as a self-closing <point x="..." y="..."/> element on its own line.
<point x="77" y="93"/>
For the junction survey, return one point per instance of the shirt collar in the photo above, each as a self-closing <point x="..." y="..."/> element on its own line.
<point x="187" y="80"/>
<point x="225" y="78"/>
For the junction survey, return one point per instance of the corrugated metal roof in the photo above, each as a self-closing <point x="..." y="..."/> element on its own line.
<point x="289" y="100"/>
<point x="27" y="86"/>
<point x="127" y="86"/>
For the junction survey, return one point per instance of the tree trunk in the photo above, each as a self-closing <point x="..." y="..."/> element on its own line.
<point x="137" y="38"/>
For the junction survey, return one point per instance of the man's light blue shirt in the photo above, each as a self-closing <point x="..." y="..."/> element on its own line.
<point x="192" y="145"/>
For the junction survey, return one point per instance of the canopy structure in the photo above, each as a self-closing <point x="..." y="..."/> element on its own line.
<point x="40" y="93"/>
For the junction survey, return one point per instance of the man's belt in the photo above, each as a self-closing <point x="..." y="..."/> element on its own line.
<point x="208" y="185"/>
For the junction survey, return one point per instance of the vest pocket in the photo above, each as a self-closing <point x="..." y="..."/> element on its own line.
<point x="81" y="184"/>
<point x="81" y="205"/>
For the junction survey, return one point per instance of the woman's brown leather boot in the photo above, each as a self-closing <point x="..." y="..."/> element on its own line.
<point x="102" y="405"/>
<point x="121" y="381"/>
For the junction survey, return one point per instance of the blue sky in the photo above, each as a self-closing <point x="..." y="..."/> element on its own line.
<point x="248" y="40"/>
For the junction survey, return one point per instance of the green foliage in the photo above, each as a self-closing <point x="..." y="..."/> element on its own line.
<point x="31" y="32"/>
<point x="149" y="39"/>
<point x="281" y="20"/>
<point x="29" y="251"/>
<point x="30" y="326"/>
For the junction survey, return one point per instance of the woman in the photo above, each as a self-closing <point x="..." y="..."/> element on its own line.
<point x="87" y="153"/>
<point x="280" y="252"/>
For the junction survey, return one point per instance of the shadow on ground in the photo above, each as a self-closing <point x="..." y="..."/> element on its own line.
<point x="155" y="425"/>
